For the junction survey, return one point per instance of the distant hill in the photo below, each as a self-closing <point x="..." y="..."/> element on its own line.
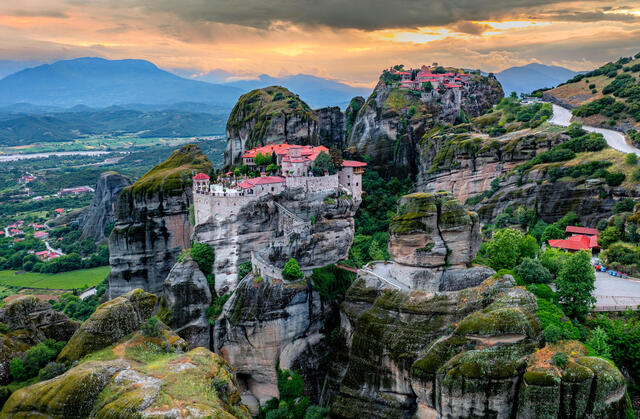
<point x="316" y="91"/>
<point x="96" y="82"/>
<point x="531" y="77"/>
<point x="10" y="66"/>
<point x="608" y="96"/>
<point x="20" y="129"/>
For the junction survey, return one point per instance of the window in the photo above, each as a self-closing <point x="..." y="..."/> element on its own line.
<point x="348" y="183"/>
<point x="356" y="183"/>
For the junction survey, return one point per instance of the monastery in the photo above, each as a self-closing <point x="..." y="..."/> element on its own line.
<point x="230" y="193"/>
<point x="425" y="75"/>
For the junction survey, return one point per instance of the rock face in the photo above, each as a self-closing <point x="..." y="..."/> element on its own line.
<point x="392" y="121"/>
<point x="103" y="205"/>
<point x="331" y="126"/>
<point x="109" y="323"/>
<point x="465" y="164"/>
<point x="264" y="222"/>
<point x="269" y="115"/>
<point x="152" y="223"/>
<point x="591" y="200"/>
<point x="179" y="385"/>
<point x="267" y="322"/>
<point x="458" y="354"/>
<point x="29" y="321"/>
<point x="433" y="240"/>
<point x="185" y="297"/>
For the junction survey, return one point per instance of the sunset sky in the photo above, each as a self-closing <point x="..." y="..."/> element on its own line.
<point x="349" y="41"/>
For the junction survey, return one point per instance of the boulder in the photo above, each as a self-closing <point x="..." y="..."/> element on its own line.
<point x="185" y="298"/>
<point x="140" y="377"/>
<point x="109" y="323"/>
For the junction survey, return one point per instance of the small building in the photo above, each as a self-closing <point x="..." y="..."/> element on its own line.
<point x="201" y="182"/>
<point x="76" y="191"/>
<point x="59" y="210"/>
<point x="577" y="242"/>
<point x="41" y="234"/>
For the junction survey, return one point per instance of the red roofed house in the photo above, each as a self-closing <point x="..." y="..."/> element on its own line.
<point x="577" y="242"/>
<point x="264" y="183"/>
<point x="582" y="230"/>
<point x="44" y="254"/>
<point x="59" y="210"/>
<point x="41" y="234"/>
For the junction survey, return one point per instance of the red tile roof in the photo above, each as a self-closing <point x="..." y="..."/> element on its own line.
<point x="582" y="230"/>
<point x="201" y="176"/>
<point x="353" y="163"/>
<point x="577" y="242"/>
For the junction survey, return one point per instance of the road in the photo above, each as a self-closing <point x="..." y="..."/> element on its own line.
<point x="562" y="116"/>
<point x="612" y="291"/>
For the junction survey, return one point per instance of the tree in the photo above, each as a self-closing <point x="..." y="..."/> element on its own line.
<point x="608" y="236"/>
<point x="375" y="252"/>
<point x="528" y="247"/>
<point x="575" y="284"/>
<point x="623" y="253"/>
<point x="261" y="159"/>
<point x="504" y="249"/>
<point x="624" y="205"/>
<point x="291" y="271"/>
<point x="17" y="369"/>
<point x="532" y="271"/>
<point x="203" y="255"/>
<point x="427" y="87"/>
<point x="615" y="178"/>
<point x="322" y="164"/>
<point x="599" y="342"/>
<point x="552" y="232"/>
<point x="552" y="259"/>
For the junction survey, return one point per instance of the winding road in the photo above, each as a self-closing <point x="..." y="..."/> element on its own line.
<point x="562" y="116"/>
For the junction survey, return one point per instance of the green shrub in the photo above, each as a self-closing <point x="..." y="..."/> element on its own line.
<point x="151" y="328"/>
<point x="542" y="291"/>
<point x="52" y="369"/>
<point x="4" y="328"/>
<point x="598" y="342"/>
<point x="552" y="333"/>
<point x="560" y="359"/>
<point x="244" y="269"/>
<point x="532" y="271"/>
<point x="631" y="159"/>
<point x="203" y="255"/>
<point x="552" y="259"/>
<point x="624" y="205"/>
<point x="291" y="271"/>
<point x="18" y="370"/>
<point x="615" y="178"/>
<point x="5" y="393"/>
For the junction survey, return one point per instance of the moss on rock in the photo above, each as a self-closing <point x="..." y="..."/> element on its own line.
<point x="109" y="323"/>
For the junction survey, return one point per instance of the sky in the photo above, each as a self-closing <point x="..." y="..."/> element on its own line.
<point x="349" y="41"/>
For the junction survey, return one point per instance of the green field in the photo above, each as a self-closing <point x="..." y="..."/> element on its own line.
<point x="64" y="280"/>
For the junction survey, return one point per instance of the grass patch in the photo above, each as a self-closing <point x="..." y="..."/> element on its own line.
<point x="61" y="281"/>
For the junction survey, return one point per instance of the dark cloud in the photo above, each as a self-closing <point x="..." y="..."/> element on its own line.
<point x="37" y="13"/>
<point x="594" y="16"/>
<point x="358" y="14"/>
<point x="471" y="28"/>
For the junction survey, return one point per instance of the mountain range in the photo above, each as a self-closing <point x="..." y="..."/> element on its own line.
<point x="530" y="77"/>
<point x="97" y="82"/>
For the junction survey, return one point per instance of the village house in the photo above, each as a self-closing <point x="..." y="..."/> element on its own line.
<point x="76" y="191"/>
<point x="582" y="238"/>
<point x="41" y="235"/>
<point x="226" y="196"/>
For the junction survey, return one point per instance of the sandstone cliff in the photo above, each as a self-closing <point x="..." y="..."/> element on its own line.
<point x="470" y="353"/>
<point x="101" y="211"/>
<point x="267" y="322"/>
<point x="326" y="231"/>
<point x="152" y="223"/>
<point x="391" y="122"/>
<point x="269" y="115"/>
<point x="466" y="163"/>
<point x="185" y="297"/>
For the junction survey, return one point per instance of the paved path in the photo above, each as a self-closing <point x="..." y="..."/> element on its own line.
<point x="562" y="116"/>
<point x="614" y="292"/>
<point x="381" y="271"/>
